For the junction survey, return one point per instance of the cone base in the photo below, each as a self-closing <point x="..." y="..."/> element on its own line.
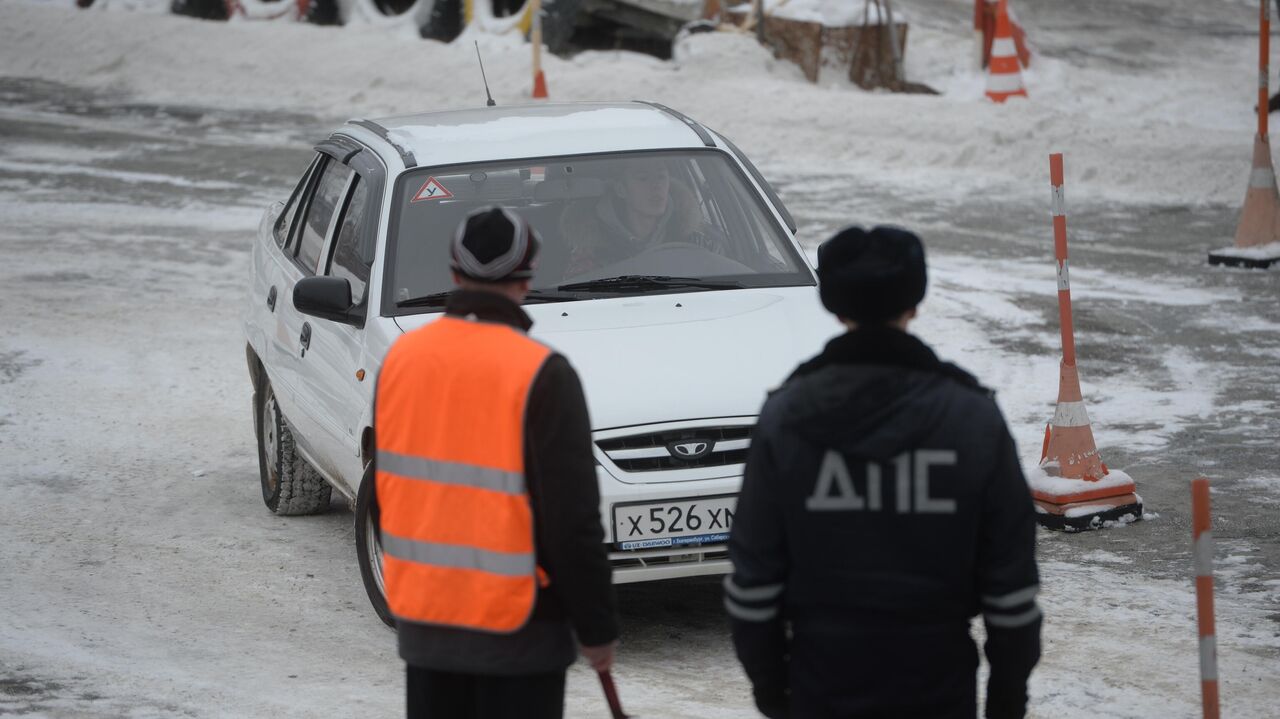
<point x="1071" y="518"/>
<point x="1253" y="263"/>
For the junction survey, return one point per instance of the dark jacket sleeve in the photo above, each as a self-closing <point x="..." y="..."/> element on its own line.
<point x="754" y="592"/>
<point x="566" y="501"/>
<point x="1007" y="585"/>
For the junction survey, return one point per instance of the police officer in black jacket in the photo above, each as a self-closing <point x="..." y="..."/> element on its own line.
<point x="883" y="507"/>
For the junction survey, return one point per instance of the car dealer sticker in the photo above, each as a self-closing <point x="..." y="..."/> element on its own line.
<point x="432" y="190"/>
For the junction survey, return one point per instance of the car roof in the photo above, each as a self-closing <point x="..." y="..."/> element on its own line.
<point x="535" y="130"/>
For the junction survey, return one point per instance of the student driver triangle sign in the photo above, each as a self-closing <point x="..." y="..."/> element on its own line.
<point x="432" y="190"/>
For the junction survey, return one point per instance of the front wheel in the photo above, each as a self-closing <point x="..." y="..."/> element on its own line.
<point x="369" y="548"/>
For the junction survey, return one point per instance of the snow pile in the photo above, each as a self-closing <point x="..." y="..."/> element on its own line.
<point x="1178" y="131"/>
<point x="1269" y="251"/>
<point x="1041" y="480"/>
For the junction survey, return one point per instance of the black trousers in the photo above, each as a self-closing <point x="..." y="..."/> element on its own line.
<point x="432" y="694"/>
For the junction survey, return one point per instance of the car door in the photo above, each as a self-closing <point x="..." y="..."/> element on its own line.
<point x="302" y="258"/>
<point x="279" y="273"/>
<point x="336" y="374"/>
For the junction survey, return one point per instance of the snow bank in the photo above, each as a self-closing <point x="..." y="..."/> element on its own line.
<point x="1179" y="132"/>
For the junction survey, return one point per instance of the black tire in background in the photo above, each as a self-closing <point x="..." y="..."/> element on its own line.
<point x="369" y="549"/>
<point x="290" y="485"/>
<point x="445" y="21"/>
<point x="322" y="12"/>
<point x="203" y="9"/>
<point x="559" y="20"/>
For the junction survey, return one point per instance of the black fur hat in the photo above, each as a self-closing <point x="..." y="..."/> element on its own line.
<point x="871" y="277"/>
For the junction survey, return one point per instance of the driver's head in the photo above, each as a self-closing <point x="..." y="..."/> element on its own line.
<point x="644" y="187"/>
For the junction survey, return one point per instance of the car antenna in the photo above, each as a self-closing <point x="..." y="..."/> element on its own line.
<point x="479" y="59"/>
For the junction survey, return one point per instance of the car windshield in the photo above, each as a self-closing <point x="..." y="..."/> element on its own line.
<point x="612" y="225"/>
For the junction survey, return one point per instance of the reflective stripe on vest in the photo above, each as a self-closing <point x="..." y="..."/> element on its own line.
<point x="457" y="527"/>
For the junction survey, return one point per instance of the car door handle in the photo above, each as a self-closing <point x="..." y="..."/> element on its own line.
<point x="271" y="299"/>
<point x="305" y="338"/>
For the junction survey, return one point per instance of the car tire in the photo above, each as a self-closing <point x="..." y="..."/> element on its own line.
<point x="559" y="19"/>
<point x="444" y="22"/>
<point x="290" y="486"/>
<point x="203" y="9"/>
<point x="322" y="12"/>
<point x="369" y="549"/>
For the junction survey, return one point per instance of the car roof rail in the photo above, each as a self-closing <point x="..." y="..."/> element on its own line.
<point x="690" y="122"/>
<point x="406" y="155"/>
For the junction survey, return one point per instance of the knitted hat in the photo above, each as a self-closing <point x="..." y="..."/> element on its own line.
<point x="871" y="277"/>
<point x="494" y="245"/>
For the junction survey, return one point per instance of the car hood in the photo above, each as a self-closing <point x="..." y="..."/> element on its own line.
<point x="673" y="357"/>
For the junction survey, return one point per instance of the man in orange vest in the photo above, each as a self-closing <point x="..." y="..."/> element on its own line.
<point x="488" y="504"/>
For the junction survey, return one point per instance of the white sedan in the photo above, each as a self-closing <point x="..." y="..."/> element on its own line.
<point x="669" y="276"/>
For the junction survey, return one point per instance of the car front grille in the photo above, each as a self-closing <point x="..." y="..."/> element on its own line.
<point x="657" y="451"/>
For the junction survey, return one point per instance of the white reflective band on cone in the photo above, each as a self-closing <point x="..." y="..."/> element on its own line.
<point x="1262" y="177"/>
<point x="1209" y="658"/>
<point x="1202" y="554"/>
<point x="1058" y="201"/>
<point x="1004" y="82"/>
<point x="1071" y="414"/>
<point x="1262" y="78"/>
<point x="1003" y="47"/>
<point x="1064" y="276"/>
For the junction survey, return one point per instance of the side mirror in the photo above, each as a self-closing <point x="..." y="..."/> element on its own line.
<point x="327" y="298"/>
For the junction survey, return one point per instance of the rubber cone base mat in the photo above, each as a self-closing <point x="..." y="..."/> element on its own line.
<point x="1252" y="263"/>
<point x="1086" y="522"/>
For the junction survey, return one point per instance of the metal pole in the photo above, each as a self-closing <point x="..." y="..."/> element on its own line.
<point x="1059" y="211"/>
<point x="1264" y="69"/>
<point x="898" y="75"/>
<point x="1202" y="551"/>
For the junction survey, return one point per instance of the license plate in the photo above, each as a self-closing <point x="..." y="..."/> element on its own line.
<point x="677" y="523"/>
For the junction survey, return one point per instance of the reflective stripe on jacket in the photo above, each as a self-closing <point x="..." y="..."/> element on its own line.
<point x="456" y="523"/>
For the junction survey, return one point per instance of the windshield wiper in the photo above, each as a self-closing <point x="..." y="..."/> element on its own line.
<point x="435" y="299"/>
<point x="440" y="299"/>
<point x="627" y="283"/>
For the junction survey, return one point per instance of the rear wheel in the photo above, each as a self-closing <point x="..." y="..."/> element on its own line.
<point x="369" y="549"/>
<point x="289" y="484"/>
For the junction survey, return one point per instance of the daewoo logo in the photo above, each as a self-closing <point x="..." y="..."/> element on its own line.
<point x="688" y="449"/>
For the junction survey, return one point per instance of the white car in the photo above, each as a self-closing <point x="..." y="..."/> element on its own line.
<point x="677" y="338"/>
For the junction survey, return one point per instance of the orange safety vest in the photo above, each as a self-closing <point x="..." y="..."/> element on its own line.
<point x="457" y="525"/>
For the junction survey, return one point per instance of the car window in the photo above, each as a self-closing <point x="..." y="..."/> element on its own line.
<point x="284" y="223"/>
<point x="319" y="214"/>
<point x="353" y="248"/>
<point x="686" y="214"/>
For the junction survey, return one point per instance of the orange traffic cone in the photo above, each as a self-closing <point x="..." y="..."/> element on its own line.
<point x="1258" y="232"/>
<point x="1072" y="488"/>
<point x="1261" y="202"/>
<point x="1004" y="77"/>
<point x="539" y="85"/>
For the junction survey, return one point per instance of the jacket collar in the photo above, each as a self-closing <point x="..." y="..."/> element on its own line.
<point x="883" y="345"/>
<point x="487" y="307"/>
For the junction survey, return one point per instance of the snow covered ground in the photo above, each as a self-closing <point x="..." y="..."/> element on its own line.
<point x="141" y="575"/>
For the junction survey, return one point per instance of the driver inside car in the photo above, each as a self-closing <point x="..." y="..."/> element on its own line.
<point x="644" y="208"/>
